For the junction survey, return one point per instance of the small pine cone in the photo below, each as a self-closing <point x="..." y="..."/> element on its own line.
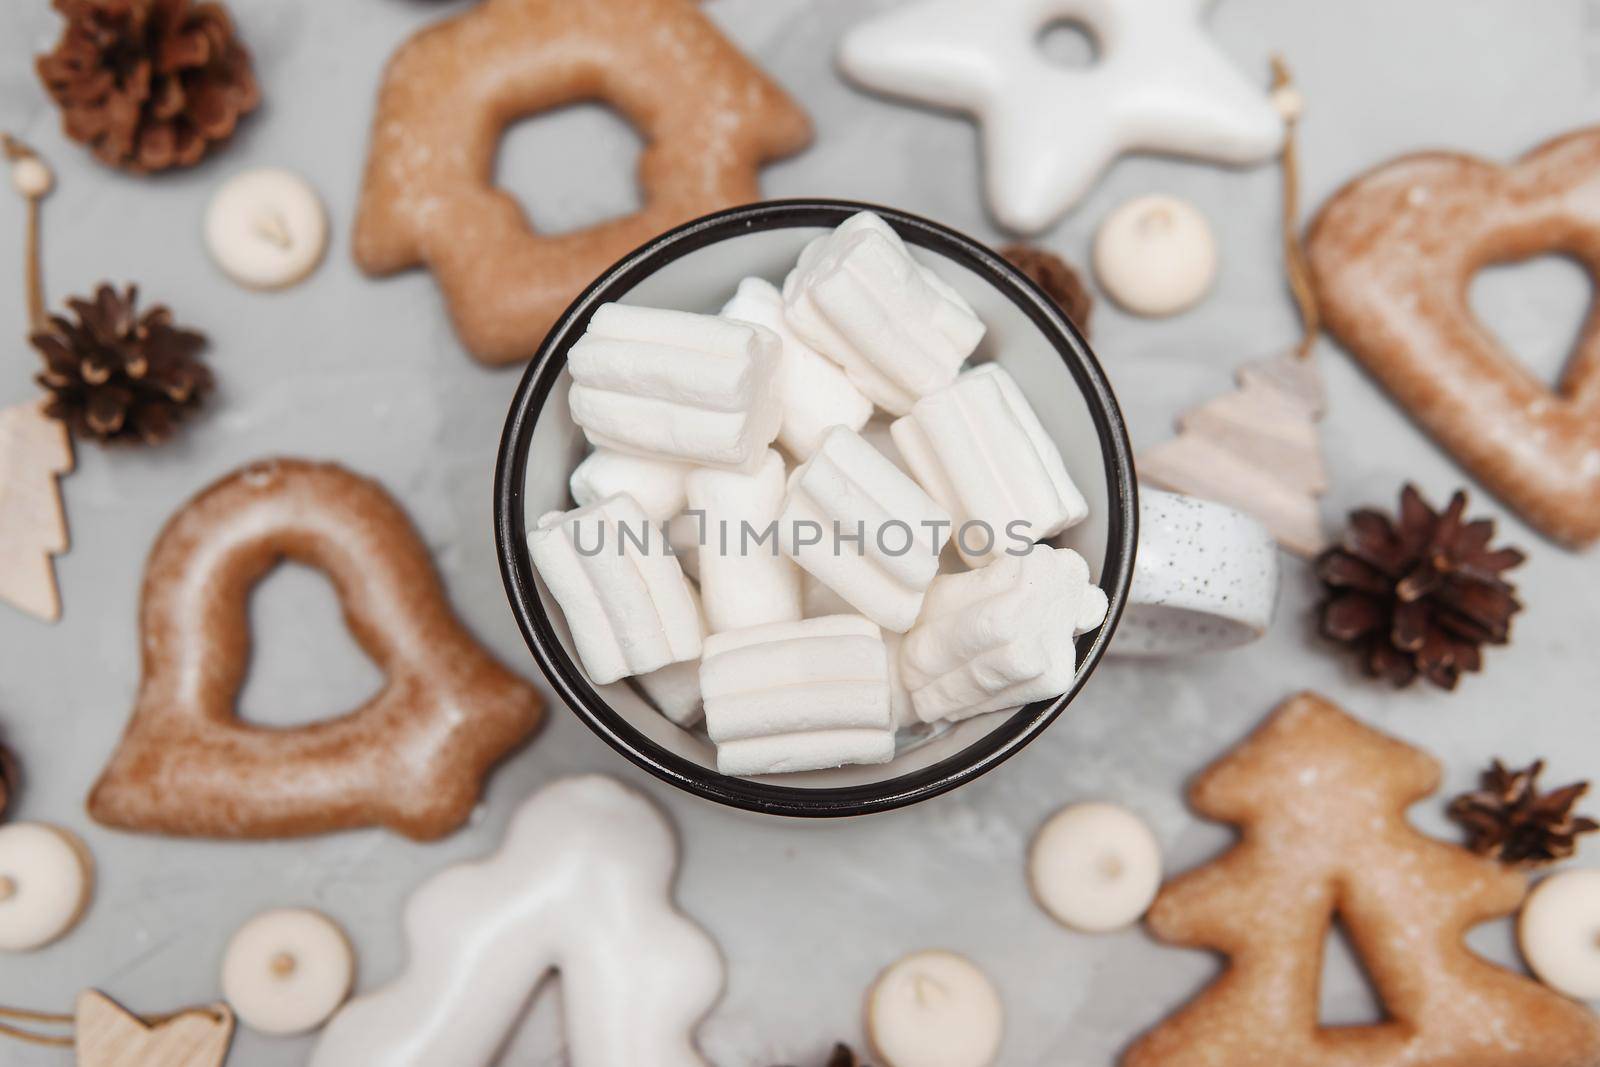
<point x="10" y="779"/>
<point x="118" y="376"/>
<point x="843" y="1056"/>
<point x="1059" y="281"/>
<point x="1418" y="595"/>
<point x="148" y="84"/>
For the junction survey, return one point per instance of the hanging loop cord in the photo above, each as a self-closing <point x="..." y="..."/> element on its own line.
<point x="1290" y="104"/>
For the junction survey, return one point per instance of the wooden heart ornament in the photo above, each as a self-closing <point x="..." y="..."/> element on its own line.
<point x="107" y="1036"/>
<point x="412" y="758"/>
<point x="1393" y="254"/>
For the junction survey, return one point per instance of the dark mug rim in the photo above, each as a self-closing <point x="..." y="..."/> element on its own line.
<point x="516" y="568"/>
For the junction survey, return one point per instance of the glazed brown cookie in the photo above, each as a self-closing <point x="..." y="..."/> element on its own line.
<point x="412" y="758"/>
<point x="1322" y="800"/>
<point x="709" y="116"/>
<point x="1393" y="254"/>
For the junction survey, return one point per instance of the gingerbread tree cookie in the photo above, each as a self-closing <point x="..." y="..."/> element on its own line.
<point x="1322" y="799"/>
<point x="709" y="115"/>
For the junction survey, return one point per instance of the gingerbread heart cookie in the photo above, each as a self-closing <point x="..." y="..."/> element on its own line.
<point x="1393" y="254"/>
<point x="709" y="115"/>
<point x="411" y="758"/>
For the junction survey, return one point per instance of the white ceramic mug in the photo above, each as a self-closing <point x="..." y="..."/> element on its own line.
<point x="696" y="268"/>
<point x="1205" y="578"/>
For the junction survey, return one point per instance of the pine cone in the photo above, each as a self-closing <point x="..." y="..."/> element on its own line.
<point x="843" y="1056"/>
<point x="1059" y="281"/>
<point x="1419" y="596"/>
<point x="116" y="375"/>
<point x="148" y="84"/>
<point x="1508" y="819"/>
<point x="10" y="778"/>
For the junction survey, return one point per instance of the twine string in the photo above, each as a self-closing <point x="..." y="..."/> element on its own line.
<point x="33" y="274"/>
<point x="1297" y="267"/>
<point x="31" y="1036"/>
<point x="58" y="1020"/>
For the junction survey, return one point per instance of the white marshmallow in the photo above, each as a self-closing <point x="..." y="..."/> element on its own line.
<point x="850" y="488"/>
<point x="670" y="385"/>
<point x="898" y="330"/>
<point x="901" y="707"/>
<point x="816" y="393"/>
<point x="879" y="433"/>
<point x="981" y="452"/>
<point x="684" y="535"/>
<point x="796" y="696"/>
<point x="813" y="751"/>
<point x="744" y="579"/>
<point x="674" y="690"/>
<point x="655" y="486"/>
<point x="630" y="609"/>
<point x="818" y="600"/>
<point x="1000" y="636"/>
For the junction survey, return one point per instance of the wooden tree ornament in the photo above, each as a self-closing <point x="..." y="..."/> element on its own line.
<point x="34" y="449"/>
<point x="1321" y="799"/>
<point x="1257" y="449"/>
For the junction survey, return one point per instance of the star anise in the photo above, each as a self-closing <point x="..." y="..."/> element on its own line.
<point x="1510" y="820"/>
<point x="1419" y="595"/>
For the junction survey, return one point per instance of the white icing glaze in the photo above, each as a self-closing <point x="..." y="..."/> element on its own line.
<point x="1095" y="867"/>
<point x="581" y="886"/>
<point x="266" y="228"/>
<point x="1155" y="255"/>
<point x="45" y="882"/>
<point x="1559" y="931"/>
<point x="287" y="970"/>
<point x="1159" y="84"/>
<point x="935" y="1009"/>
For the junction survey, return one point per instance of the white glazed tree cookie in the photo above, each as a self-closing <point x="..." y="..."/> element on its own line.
<point x="581" y="886"/>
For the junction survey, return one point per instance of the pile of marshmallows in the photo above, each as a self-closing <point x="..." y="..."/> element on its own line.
<point x="823" y="622"/>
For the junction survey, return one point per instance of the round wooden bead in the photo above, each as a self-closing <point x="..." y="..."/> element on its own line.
<point x="1095" y="867"/>
<point x="1559" y="931"/>
<point x="935" y="1009"/>
<point x="1155" y="255"/>
<point x="266" y="228"/>
<point x="32" y="177"/>
<point x="287" y="971"/>
<point x="46" y="878"/>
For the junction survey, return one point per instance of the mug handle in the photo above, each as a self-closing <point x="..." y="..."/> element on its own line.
<point x="1205" y="578"/>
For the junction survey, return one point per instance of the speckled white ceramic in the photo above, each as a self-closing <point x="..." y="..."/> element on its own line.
<point x="1206" y="578"/>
